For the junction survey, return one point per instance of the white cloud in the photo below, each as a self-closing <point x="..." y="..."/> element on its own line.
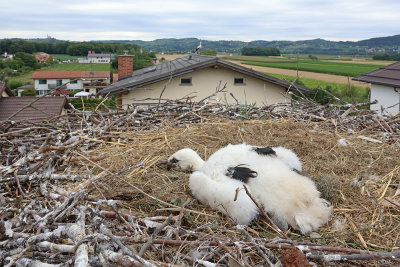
<point x="208" y="19"/>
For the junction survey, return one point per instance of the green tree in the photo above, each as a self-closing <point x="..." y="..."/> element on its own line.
<point x="258" y="51"/>
<point x="209" y="52"/>
<point x="28" y="60"/>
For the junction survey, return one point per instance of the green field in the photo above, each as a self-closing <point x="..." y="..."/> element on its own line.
<point x="79" y="66"/>
<point x="352" y="94"/>
<point x="63" y="57"/>
<point x="330" y="67"/>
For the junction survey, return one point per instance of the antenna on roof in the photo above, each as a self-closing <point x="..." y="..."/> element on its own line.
<point x="126" y="52"/>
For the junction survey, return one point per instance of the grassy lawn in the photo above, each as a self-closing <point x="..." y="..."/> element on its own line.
<point x="20" y="80"/>
<point x="79" y="67"/>
<point x="357" y="94"/>
<point x="63" y="57"/>
<point x="338" y="68"/>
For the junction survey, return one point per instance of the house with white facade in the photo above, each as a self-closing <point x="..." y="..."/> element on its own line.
<point x="99" y="58"/>
<point x="385" y="87"/>
<point x="88" y="81"/>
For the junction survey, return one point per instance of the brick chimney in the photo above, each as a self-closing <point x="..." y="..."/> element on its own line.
<point x="125" y="65"/>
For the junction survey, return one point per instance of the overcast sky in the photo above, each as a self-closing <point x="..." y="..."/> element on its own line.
<point x="244" y="20"/>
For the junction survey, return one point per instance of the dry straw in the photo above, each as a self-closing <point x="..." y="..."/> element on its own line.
<point x="361" y="179"/>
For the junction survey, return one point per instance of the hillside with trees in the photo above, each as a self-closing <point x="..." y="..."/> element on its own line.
<point x="389" y="45"/>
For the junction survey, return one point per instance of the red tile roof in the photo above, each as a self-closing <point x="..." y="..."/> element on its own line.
<point x="69" y="74"/>
<point x="95" y="74"/>
<point x="44" y="108"/>
<point x="57" y="74"/>
<point x="60" y="92"/>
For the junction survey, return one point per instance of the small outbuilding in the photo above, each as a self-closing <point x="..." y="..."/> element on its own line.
<point x="385" y="87"/>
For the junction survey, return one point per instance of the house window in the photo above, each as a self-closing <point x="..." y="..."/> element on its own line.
<point x="186" y="81"/>
<point x="59" y="82"/>
<point x="239" y="81"/>
<point x="42" y="81"/>
<point x="73" y="81"/>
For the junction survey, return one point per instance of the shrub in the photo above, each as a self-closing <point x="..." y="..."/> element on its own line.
<point x="29" y="92"/>
<point x="15" y="84"/>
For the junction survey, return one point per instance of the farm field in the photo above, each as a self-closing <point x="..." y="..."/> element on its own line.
<point x="323" y="58"/>
<point x="307" y="74"/>
<point x="63" y="57"/>
<point x="79" y="67"/>
<point x="329" y="67"/>
<point x="354" y="93"/>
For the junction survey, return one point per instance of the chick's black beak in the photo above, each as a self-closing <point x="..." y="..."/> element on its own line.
<point x="165" y="164"/>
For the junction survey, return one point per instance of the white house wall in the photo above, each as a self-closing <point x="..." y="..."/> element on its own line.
<point x="99" y="60"/>
<point x="69" y="86"/>
<point x="204" y="83"/>
<point x="387" y="97"/>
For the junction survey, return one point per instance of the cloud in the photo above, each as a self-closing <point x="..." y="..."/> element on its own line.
<point x="216" y="20"/>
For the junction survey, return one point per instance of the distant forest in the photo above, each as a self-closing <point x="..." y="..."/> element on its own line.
<point x="52" y="46"/>
<point x="380" y="45"/>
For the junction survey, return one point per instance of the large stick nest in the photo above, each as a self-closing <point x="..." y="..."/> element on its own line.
<point x="358" y="178"/>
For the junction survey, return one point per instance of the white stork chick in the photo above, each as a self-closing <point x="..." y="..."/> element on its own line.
<point x="291" y="199"/>
<point x="219" y="195"/>
<point x="286" y="155"/>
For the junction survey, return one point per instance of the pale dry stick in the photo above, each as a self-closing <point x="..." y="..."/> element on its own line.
<point x="276" y="228"/>
<point x="393" y="203"/>
<point x="125" y="250"/>
<point x="354" y="227"/>
<point x="265" y="257"/>
<point x="18" y="256"/>
<point x="344" y="257"/>
<point x="162" y="92"/>
<point x="217" y="90"/>
<point x="153" y="236"/>
<point x="18" y="184"/>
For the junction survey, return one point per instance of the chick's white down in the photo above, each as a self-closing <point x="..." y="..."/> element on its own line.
<point x="291" y="199"/>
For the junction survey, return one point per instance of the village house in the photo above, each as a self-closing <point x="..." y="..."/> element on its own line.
<point x="99" y="58"/>
<point x="88" y="81"/>
<point x="385" y="87"/>
<point x="42" y="57"/>
<point x="197" y="76"/>
<point x="6" y="56"/>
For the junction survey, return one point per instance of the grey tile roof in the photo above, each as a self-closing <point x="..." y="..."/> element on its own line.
<point x="181" y="66"/>
<point x="102" y="55"/>
<point x="43" y="108"/>
<point x="388" y="75"/>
